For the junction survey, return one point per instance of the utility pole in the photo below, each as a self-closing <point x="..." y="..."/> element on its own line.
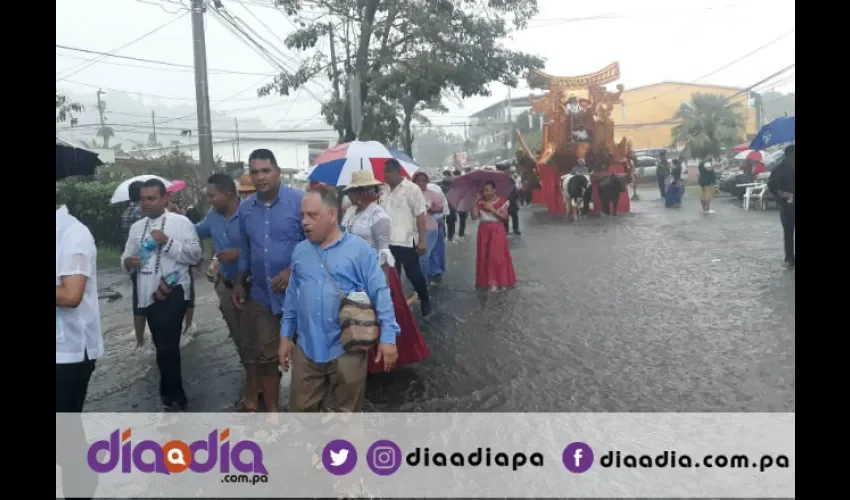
<point x="202" y="94"/>
<point x="509" y="124"/>
<point x="355" y="97"/>
<point x="101" y="110"/>
<point x="341" y="128"/>
<point x="153" y="124"/>
<point x="238" y="155"/>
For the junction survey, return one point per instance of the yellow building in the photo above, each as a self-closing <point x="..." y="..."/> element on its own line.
<point x="646" y="115"/>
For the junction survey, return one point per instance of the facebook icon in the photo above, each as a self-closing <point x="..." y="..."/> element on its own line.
<point x="577" y="457"/>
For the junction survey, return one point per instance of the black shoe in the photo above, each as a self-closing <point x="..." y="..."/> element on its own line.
<point x="426" y="309"/>
<point x="517" y="233"/>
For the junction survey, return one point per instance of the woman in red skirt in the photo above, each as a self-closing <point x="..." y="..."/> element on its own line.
<point x="369" y="221"/>
<point x="494" y="267"/>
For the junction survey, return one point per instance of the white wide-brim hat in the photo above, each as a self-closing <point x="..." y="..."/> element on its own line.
<point x="362" y="179"/>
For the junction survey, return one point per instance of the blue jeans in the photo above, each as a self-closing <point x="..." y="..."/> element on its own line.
<point x="437" y="262"/>
<point x="425" y="260"/>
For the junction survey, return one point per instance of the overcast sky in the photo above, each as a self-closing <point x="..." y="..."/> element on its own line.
<point x="654" y="40"/>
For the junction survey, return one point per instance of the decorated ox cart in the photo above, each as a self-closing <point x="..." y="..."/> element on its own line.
<point x="579" y="133"/>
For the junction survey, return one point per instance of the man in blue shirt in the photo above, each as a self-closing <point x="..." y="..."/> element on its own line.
<point x="320" y="365"/>
<point x="270" y="226"/>
<point x="222" y="225"/>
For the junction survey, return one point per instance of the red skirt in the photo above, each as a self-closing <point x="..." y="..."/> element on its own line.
<point x="410" y="343"/>
<point x="494" y="266"/>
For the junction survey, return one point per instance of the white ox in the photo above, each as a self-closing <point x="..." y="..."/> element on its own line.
<point x="574" y="201"/>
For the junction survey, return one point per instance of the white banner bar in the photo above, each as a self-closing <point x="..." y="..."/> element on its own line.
<point x="427" y="455"/>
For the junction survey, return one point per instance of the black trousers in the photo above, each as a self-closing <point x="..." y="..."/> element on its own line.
<point x="789" y="221"/>
<point x="408" y="258"/>
<point x="72" y="385"/>
<point x="513" y="216"/>
<point x="462" y="223"/>
<point x="661" y="187"/>
<point x="165" y="319"/>
<point x="451" y="224"/>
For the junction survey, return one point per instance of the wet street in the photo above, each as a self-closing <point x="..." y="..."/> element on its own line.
<point x="657" y="310"/>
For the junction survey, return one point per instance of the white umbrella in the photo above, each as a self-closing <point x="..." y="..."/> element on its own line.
<point x="122" y="192"/>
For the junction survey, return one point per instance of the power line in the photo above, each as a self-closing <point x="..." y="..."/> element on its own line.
<point x="718" y="70"/>
<point x="141" y="126"/>
<point x="133" y="92"/>
<point x="121" y="47"/>
<point x="154" y="61"/>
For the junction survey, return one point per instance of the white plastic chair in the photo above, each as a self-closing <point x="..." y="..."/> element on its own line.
<point x="755" y="193"/>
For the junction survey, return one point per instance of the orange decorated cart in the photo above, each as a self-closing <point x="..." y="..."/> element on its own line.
<point x="579" y="132"/>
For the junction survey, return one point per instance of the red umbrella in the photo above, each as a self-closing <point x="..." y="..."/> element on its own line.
<point x="177" y="186"/>
<point x="741" y="147"/>
<point x="465" y="189"/>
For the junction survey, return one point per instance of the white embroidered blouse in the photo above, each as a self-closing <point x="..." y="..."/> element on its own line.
<point x="373" y="226"/>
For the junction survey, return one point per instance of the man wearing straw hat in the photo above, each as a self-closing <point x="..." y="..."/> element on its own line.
<point x="246" y="187"/>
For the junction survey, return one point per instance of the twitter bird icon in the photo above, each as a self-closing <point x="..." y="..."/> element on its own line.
<point x="339" y="457"/>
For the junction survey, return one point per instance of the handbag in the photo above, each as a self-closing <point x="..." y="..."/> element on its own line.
<point x="357" y="321"/>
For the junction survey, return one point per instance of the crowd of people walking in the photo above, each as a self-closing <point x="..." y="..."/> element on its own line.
<point x="302" y="285"/>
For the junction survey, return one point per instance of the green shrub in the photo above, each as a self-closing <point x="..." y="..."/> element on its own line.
<point x="89" y="202"/>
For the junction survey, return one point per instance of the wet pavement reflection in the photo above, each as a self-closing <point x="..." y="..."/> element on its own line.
<point x="657" y="310"/>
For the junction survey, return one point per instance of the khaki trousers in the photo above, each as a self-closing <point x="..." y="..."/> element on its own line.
<point x="231" y="315"/>
<point x="336" y="386"/>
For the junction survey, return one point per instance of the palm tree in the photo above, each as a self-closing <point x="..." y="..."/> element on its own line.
<point x="707" y="123"/>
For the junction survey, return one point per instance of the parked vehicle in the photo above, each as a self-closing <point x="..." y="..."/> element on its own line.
<point x="647" y="168"/>
<point x="730" y="179"/>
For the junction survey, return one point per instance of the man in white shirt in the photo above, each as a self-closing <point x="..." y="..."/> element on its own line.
<point x="78" y="336"/>
<point x="79" y="343"/>
<point x="407" y="208"/>
<point x="161" y="247"/>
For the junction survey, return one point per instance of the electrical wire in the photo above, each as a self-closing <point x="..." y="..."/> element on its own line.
<point x="718" y="70"/>
<point x="120" y="47"/>
<point x="152" y="61"/>
<point x="144" y="94"/>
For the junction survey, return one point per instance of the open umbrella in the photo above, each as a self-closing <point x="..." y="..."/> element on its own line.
<point x="779" y="131"/>
<point x="752" y="155"/>
<point x="335" y="165"/>
<point x="122" y="192"/>
<point x="176" y="186"/>
<point x="464" y="190"/>
<point x="72" y="160"/>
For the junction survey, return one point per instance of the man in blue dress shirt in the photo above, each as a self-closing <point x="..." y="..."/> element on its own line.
<point x="320" y="365"/>
<point x="222" y="226"/>
<point x="270" y="224"/>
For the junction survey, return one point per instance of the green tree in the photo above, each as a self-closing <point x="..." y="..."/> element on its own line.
<point x="66" y="110"/>
<point x="411" y="55"/>
<point x="707" y="123"/>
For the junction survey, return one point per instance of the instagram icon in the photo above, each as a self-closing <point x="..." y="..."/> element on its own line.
<point x="384" y="457"/>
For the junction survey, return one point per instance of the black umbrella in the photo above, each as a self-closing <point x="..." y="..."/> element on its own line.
<point x="72" y="160"/>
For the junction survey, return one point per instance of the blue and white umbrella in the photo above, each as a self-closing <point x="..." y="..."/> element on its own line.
<point x="779" y="131"/>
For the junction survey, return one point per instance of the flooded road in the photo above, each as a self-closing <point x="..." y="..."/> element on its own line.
<point x="658" y="310"/>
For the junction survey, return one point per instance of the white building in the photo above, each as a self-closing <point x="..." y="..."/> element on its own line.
<point x="292" y="150"/>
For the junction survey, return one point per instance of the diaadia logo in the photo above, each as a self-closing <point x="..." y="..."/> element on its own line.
<point x="215" y="453"/>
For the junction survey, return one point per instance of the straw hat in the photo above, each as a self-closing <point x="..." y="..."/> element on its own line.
<point x="362" y="179"/>
<point x="245" y="184"/>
